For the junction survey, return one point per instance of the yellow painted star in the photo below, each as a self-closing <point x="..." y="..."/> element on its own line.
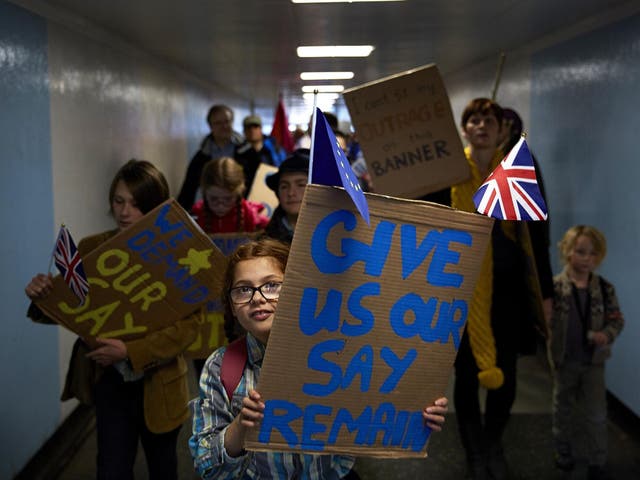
<point x="196" y="260"/>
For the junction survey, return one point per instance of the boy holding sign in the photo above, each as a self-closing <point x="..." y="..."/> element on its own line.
<point x="138" y="386"/>
<point x="252" y="286"/>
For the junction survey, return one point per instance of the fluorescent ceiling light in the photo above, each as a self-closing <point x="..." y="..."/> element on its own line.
<point x="323" y="88"/>
<point x="342" y="1"/>
<point x="326" y="75"/>
<point x="321" y="96"/>
<point x="336" y="51"/>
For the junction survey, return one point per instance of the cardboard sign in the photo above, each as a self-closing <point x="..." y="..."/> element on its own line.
<point x="368" y="324"/>
<point x="260" y="192"/>
<point x="143" y="279"/>
<point x="406" y="130"/>
<point x="211" y="327"/>
<point x="228" y="242"/>
<point x="210" y="331"/>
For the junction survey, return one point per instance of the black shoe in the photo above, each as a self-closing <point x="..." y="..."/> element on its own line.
<point x="477" y="471"/>
<point x="597" y="472"/>
<point x="564" y="459"/>
<point x="497" y="465"/>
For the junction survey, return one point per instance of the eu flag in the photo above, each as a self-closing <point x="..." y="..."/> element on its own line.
<point x="329" y="165"/>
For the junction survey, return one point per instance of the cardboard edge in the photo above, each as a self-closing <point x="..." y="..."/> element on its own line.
<point x="472" y="217"/>
<point x="390" y="77"/>
<point x="388" y="452"/>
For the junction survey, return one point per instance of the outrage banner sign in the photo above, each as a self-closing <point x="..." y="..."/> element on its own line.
<point x="145" y="278"/>
<point x="368" y="324"/>
<point x="406" y="130"/>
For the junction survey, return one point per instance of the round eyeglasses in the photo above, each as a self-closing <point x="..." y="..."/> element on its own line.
<point x="270" y="291"/>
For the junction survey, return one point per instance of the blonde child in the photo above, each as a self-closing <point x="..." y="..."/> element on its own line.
<point x="221" y="421"/>
<point x="222" y="208"/>
<point x="586" y="320"/>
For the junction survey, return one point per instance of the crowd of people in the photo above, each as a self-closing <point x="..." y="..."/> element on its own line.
<point x="139" y="388"/>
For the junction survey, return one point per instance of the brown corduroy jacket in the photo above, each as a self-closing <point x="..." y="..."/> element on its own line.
<point x="158" y="356"/>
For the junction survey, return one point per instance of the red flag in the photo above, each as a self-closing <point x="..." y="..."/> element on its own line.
<point x="280" y="131"/>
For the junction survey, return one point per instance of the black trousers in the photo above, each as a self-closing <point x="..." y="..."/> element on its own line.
<point x="506" y="329"/>
<point x="120" y="424"/>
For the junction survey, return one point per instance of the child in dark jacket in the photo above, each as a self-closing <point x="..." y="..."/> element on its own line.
<point x="586" y="320"/>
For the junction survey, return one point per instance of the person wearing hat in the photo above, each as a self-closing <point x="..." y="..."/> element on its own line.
<point x="288" y="183"/>
<point x="256" y="149"/>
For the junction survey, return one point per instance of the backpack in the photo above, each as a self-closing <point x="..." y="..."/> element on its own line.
<point x="233" y="363"/>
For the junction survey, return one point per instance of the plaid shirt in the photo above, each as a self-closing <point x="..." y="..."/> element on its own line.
<point x="212" y="414"/>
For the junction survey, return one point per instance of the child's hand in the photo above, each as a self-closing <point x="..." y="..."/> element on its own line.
<point x="109" y="351"/>
<point x="252" y="410"/>
<point x="249" y="417"/>
<point x="434" y="415"/>
<point x="39" y="286"/>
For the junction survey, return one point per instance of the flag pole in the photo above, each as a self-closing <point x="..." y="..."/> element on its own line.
<point x="313" y="134"/>
<point x="498" y="75"/>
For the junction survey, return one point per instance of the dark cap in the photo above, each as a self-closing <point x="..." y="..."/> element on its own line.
<point x="298" y="162"/>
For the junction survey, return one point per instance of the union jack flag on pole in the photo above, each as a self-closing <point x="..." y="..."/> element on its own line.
<point x="511" y="192"/>
<point x="69" y="263"/>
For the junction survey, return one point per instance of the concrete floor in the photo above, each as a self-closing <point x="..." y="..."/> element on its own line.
<point x="527" y="443"/>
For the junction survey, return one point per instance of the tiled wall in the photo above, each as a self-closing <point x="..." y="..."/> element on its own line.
<point x="586" y="105"/>
<point x="29" y="403"/>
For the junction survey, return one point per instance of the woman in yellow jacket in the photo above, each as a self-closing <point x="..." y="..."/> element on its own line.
<point x="139" y="387"/>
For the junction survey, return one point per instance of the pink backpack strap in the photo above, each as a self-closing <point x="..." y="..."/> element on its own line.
<point x="233" y="362"/>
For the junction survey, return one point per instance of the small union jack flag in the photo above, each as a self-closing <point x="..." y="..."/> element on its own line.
<point x="69" y="263"/>
<point x="511" y="192"/>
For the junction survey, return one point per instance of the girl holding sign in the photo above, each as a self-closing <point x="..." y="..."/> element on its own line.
<point x="139" y="387"/>
<point x="229" y="407"/>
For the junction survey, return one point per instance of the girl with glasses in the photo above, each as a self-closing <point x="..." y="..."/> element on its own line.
<point x="221" y="421"/>
<point x="223" y="209"/>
